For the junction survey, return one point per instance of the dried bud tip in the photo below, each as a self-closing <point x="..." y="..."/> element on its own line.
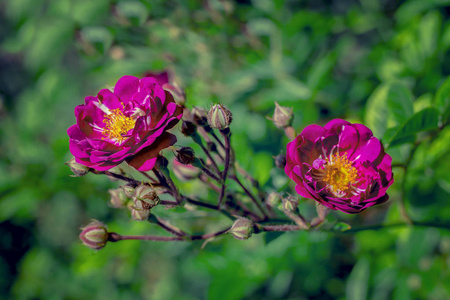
<point x="161" y="162"/>
<point x="290" y="203"/>
<point x="188" y="128"/>
<point x="242" y="229"/>
<point x="199" y="116"/>
<point x="77" y="168"/>
<point x="282" y="116"/>
<point x="219" y="117"/>
<point x="185" y="155"/>
<point x="280" y="160"/>
<point x="94" y="235"/>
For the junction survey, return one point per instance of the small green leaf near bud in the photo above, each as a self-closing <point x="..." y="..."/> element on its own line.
<point x="94" y="235"/>
<point x="290" y="203"/>
<point x="219" y="117"/>
<point x="242" y="229"/>
<point x="77" y="168"/>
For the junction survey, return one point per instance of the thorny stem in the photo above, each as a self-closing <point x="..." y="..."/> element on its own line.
<point x="166" y="226"/>
<point x="117" y="176"/>
<point x="226" y="136"/>
<point x="235" y="178"/>
<point x="298" y="219"/>
<point x="115" y="237"/>
<point x="174" y="190"/>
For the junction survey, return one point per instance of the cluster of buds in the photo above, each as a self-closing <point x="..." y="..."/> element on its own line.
<point x="144" y="199"/>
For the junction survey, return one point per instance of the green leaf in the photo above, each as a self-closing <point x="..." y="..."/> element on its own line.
<point x="426" y="119"/>
<point x="341" y="226"/>
<point x="358" y="280"/>
<point x="400" y="102"/>
<point x="442" y="100"/>
<point x="377" y="111"/>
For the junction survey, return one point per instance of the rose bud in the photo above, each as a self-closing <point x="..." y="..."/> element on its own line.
<point x="161" y="162"/>
<point x="290" y="203"/>
<point x="242" y="229"/>
<point x="280" y="161"/>
<point x="118" y="197"/>
<point x="185" y="172"/>
<point x="282" y="116"/>
<point x="128" y="189"/>
<point x="140" y="214"/>
<point x="188" y="128"/>
<point x="273" y="199"/>
<point x="77" y="169"/>
<point x="145" y="193"/>
<point x="185" y="155"/>
<point x="219" y="117"/>
<point x="94" y="235"/>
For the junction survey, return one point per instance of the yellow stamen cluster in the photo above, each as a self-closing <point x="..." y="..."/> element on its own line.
<point x="117" y="125"/>
<point x="339" y="173"/>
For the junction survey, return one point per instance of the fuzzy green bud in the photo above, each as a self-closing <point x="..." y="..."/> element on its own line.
<point x="77" y="168"/>
<point x="242" y="229"/>
<point x="94" y="235"/>
<point x="273" y="199"/>
<point x="219" y="117"/>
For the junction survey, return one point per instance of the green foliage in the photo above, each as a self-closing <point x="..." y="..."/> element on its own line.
<point x="382" y="62"/>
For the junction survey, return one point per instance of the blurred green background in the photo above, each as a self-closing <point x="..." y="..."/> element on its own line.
<point x="350" y="59"/>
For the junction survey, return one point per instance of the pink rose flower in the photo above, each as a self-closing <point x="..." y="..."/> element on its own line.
<point x="129" y="124"/>
<point x="341" y="165"/>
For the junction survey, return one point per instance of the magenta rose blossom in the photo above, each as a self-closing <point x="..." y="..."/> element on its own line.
<point x="341" y="165"/>
<point x="128" y="124"/>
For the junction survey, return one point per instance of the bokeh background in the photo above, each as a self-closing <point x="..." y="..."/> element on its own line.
<point x="325" y="58"/>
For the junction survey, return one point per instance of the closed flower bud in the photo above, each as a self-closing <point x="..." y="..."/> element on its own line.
<point x="140" y="214"/>
<point x="242" y="229"/>
<point x="188" y="128"/>
<point x="128" y="190"/>
<point x="282" y="116"/>
<point x="199" y="116"/>
<point x="94" y="235"/>
<point x="290" y="203"/>
<point x="219" y="117"/>
<point x="77" y="169"/>
<point x="185" y="155"/>
<point x="146" y="194"/>
<point x="118" y="198"/>
<point x="185" y="172"/>
<point x="280" y="160"/>
<point x="273" y="199"/>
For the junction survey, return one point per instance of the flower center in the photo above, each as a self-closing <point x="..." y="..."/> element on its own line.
<point x="339" y="174"/>
<point x="117" y="125"/>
